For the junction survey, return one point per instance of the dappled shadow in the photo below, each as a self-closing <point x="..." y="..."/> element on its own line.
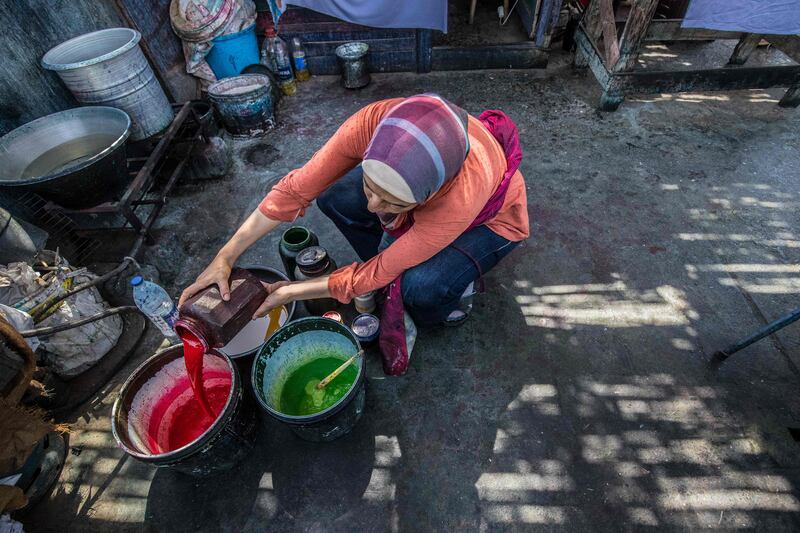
<point x="577" y="397"/>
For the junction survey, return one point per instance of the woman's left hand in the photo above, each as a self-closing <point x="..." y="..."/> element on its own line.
<point x="277" y="295"/>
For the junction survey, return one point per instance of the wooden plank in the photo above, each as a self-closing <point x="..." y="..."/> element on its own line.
<point x="792" y="97"/>
<point x="366" y="36"/>
<point x="721" y="79"/>
<point x="542" y="21"/>
<point x="670" y="30"/>
<point x="519" y="55"/>
<point x="404" y="61"/>
<point x="424" y="50"/>
<point x="315" y="49"/>
<point x="298" y="18"/>
<point x="609" y="28"/>
<point x="591" y="21"/>
<point x="591" y="56"/>
<point x="746" y="45"/>
<point x="527" y="12"/>
<point x="544" y="34"/>
<point x="788" y="44"/>
<point x="639" y="18"/>
<point x="151" y="18"/>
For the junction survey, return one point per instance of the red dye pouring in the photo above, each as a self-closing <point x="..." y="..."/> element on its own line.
<point x="193" y="352"/>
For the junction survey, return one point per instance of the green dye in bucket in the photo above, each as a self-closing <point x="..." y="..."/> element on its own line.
<point x="299" y="395"/>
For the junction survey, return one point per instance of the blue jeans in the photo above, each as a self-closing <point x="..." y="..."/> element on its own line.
<point x="431" y="290"/>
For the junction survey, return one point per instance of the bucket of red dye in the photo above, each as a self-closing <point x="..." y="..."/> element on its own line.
<point x="157" y="420"/>
<point x="296" y="358"/>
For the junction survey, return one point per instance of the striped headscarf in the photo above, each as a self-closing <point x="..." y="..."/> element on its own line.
<point x="418" y="146"/>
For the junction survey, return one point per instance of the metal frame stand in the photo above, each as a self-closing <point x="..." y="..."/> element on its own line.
<point x="176" y="145"/>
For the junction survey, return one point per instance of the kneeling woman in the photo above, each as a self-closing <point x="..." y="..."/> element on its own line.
<point x="425" y="193"/>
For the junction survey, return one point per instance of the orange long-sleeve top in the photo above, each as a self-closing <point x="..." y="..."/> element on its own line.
<point x="437" y="222"/>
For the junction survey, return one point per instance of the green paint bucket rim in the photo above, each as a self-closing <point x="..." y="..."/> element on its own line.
<point x="289" y="330"/>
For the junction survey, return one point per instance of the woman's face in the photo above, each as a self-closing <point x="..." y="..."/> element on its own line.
<point x="380" y="201"/>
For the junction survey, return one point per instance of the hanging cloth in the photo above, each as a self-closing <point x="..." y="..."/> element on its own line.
<point x="780" y="17"/>
<point x="428" y="14"/>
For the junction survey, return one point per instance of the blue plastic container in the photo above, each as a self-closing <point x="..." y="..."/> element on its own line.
<point x="233" y="52"/>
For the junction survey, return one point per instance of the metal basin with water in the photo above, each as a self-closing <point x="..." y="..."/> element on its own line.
<point x="75" y="157"/>
<point x="291" y="347"/>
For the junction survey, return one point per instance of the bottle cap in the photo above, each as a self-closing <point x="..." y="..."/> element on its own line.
<point x="136" y="280"/>
<point x="366" y="327"/>
<point x="313" y="259"/>
<point x="333" y="315"/>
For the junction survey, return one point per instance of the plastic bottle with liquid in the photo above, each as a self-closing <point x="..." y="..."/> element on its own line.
<point x="283" y="64"/>
<point x="155" y="304"/>
<point x="266" y="57"/>
<point x="299" y="59"/>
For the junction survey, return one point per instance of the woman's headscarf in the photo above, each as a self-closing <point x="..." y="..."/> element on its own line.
<point x="419" y="146"/>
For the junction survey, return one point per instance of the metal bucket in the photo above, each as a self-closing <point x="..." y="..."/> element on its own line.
<point x="353" y="61"/>
<point x="244" y="104"/>
<point x="294" y="345"/>
<point x="107" y="67"/>
<point x="227" y="441"/>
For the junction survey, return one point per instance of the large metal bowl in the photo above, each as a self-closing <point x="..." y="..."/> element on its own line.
<point x="75" y="157"/>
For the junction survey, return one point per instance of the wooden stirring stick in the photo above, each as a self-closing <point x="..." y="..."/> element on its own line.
<point x="332" y="375"/>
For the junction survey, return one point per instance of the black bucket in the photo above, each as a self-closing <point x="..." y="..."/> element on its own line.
<point x="291" y="347"/>
<point x="228" y="440"/>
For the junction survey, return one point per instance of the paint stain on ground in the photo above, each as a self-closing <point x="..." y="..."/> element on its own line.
<point x="261" y="155"/>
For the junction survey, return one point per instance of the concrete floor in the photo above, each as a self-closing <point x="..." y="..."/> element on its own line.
<point x="579" y="396"/>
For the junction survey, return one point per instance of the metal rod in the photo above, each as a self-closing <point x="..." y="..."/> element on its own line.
<point x="63" y="327"/>
<point x="98" y="280"/>
<point x="769" y="329"/>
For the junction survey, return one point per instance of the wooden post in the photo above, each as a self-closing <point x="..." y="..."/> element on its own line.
<point x="555" y="12"/>
<point x="579" y="60"/>
<point x="424" y="44"/>
<point x="792" y="97"/>
<point x="609" y="25"/>
<point x="744" y="48"/>
<point x="639" y="18"/>
<point x="591" y="21"/>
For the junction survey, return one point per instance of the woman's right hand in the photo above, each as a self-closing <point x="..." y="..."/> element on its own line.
<point x="217" y="273"/>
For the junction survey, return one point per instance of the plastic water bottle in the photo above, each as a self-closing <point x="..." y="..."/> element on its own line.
<point x="268" y="51"/>
<point x="299" y="59"/>
<point x="283" y="62"/>
<point x="156" y="305"/>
